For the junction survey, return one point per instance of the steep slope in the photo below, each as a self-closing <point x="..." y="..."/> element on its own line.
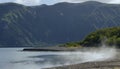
<point x="63" y="22"/>
<point x="13" y="33"/>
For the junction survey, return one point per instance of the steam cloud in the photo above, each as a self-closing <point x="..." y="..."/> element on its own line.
<point x="101" y="54"/>
<point x="53" y="59"/>
<point x="87" y="55"/>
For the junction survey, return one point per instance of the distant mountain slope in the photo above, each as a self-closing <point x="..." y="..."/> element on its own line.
<point x="63" y="22"/>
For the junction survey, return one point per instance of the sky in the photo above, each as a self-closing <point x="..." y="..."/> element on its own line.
<point x="51" y="2"/>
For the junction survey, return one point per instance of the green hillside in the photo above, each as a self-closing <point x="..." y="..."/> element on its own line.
<point x="108" y="36"/>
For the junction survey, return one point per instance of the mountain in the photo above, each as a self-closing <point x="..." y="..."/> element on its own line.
<point x="60" y="23"/>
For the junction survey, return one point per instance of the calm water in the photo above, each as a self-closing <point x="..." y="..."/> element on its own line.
<point x="14" y="58"/>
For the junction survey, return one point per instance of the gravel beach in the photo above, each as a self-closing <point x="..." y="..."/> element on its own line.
<point x="107" y="64"/>
<point x="93" y="65"/>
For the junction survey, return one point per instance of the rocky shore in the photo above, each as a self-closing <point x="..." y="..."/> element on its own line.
<point x="114" y="64"/>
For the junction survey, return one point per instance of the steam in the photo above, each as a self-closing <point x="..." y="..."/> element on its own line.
<point x="40" y="60"/>
<point x="101" y="54"/>
<point x="86" y="55"/>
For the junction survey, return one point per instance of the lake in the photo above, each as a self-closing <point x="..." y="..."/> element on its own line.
<point x="15" y="58"/>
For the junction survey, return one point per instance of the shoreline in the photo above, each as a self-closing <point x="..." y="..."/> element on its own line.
<point x="113" y="64"/>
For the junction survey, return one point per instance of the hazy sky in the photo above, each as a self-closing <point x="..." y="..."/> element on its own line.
<point x="50" y="2"/>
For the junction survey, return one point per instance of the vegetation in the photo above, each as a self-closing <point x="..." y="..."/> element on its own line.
<point x="71" y="44"/>
<point x="109" y="36"/>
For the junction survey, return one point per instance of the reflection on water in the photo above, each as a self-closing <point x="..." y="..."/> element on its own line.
<point x="13" y="58"/>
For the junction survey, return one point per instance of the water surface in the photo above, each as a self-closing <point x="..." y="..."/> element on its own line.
<point x="14" y="58"/>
